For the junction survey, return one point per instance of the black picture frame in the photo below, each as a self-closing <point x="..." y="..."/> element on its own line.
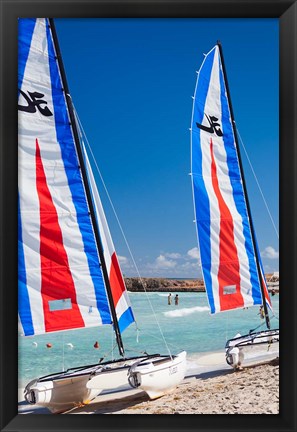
<point x="286" y="12"/>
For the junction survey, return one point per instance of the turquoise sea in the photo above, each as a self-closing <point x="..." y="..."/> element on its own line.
<point x="188" y="326"/>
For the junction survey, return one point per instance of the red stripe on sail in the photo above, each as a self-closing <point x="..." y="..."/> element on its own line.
<point x="228" y="274"/>
<point x="56" y="278"/>
<point x="116" y="279"/>
<point x="266" y="293"/>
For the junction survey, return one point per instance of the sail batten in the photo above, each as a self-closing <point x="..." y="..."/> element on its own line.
<point x="59" y="259"/>
<point x="228" y="255"/>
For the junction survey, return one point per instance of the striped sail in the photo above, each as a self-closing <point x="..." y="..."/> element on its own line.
<point x="119" y="292"/>
<point x="228" y="255"/>
<point x="61" y="285"/>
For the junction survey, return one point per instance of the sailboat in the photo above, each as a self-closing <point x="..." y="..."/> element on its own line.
<point x="230" y="259"/>
<point x="67" y="264"/>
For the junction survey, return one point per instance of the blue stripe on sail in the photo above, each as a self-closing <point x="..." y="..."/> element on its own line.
<point x="23" y="296"/>
<point x="202" y="210"/>
<point x="126" y="319"/>
<point x="261" y="299"/>
<point x="69" y="156"/>
<point x="25" y="33"/>
<point x="238" y="193"/>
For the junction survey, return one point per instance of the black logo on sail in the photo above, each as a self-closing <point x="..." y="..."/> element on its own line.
<point x="34" y="101"/>
<point x="213" y="127"/>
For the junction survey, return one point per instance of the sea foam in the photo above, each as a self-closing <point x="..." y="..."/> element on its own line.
<point x="185" y="311"/>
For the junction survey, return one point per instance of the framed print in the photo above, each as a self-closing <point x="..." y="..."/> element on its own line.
<point x="123" y="101"/>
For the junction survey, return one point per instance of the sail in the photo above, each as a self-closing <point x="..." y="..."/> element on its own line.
<point x="61" y="283"/>
<point x="119" y="293"/>
<point x="228" y="254"/>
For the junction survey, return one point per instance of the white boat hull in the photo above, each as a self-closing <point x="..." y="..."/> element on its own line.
<point x="61" y="394"/>
<point x="66" y="390"/>
<point x="252" y="349"/>
<point x="111" y="378"/>
<point x="158" y="376"/>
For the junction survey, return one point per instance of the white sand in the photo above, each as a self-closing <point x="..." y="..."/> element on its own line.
<point x="254" y="390"/>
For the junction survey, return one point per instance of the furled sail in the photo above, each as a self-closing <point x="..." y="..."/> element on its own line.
<point x="229" y="255"/>
<point x="61" y="283"/>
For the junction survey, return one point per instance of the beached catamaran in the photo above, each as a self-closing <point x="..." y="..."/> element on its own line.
<point x="230" y="259"/>
<point x="69" y="275"/>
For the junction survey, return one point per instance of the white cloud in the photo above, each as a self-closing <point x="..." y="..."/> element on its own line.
<point x="171" y="264"/>
<point x="173" y="255"/>
<point x="188" y="265"/>
<point x="163" y="263"/>
<point x="125" y="263"/>
<point x="194" y="253"/>
<point x="270" y="253"/>
<point x="123" y="259"/>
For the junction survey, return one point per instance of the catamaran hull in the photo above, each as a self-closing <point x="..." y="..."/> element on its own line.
<point x="253" y="348"/>
<point x="61" y="394"/>
<point x="112" y="379"/>
<point x="66" y="390"/>
<point x="158" y="377"/>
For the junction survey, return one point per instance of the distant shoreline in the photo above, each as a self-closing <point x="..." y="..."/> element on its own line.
<point x="134" y="284"/>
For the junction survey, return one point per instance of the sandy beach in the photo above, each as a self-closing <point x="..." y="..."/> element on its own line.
<point x="254" y="390"/>
<point x="215" y="389"/>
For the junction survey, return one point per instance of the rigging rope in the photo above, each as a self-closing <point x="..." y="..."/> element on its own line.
<point x="121" y="229"/>
<point x="226" y="327"/>
<point x="258" y="184"/>
<point x="63" y="352"/>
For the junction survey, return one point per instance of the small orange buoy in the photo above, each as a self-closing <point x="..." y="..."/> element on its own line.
<point x="48" y="345"/>
<point x="96" y="345"/>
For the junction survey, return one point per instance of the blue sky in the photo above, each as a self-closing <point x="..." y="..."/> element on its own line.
<point x="132" y="82"/>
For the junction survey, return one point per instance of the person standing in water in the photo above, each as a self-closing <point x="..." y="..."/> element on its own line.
<point x="169" y="299"/>
<point x="176" y="300"/>
<point x="261" y="312"/>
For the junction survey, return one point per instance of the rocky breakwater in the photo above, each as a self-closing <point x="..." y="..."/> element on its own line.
<point x="135" y="284"/>
<point x="164" y="285"/>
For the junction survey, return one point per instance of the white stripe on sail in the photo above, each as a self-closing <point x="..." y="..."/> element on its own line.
<point x="210" y="109"/>
<point x="29" y="207"/>
<point x="122" y="304"/>
<point x="108" y="246"/>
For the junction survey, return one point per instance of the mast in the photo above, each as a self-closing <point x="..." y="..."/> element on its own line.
<point x="244" y="187"/>
<point x="87" y="189"/>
